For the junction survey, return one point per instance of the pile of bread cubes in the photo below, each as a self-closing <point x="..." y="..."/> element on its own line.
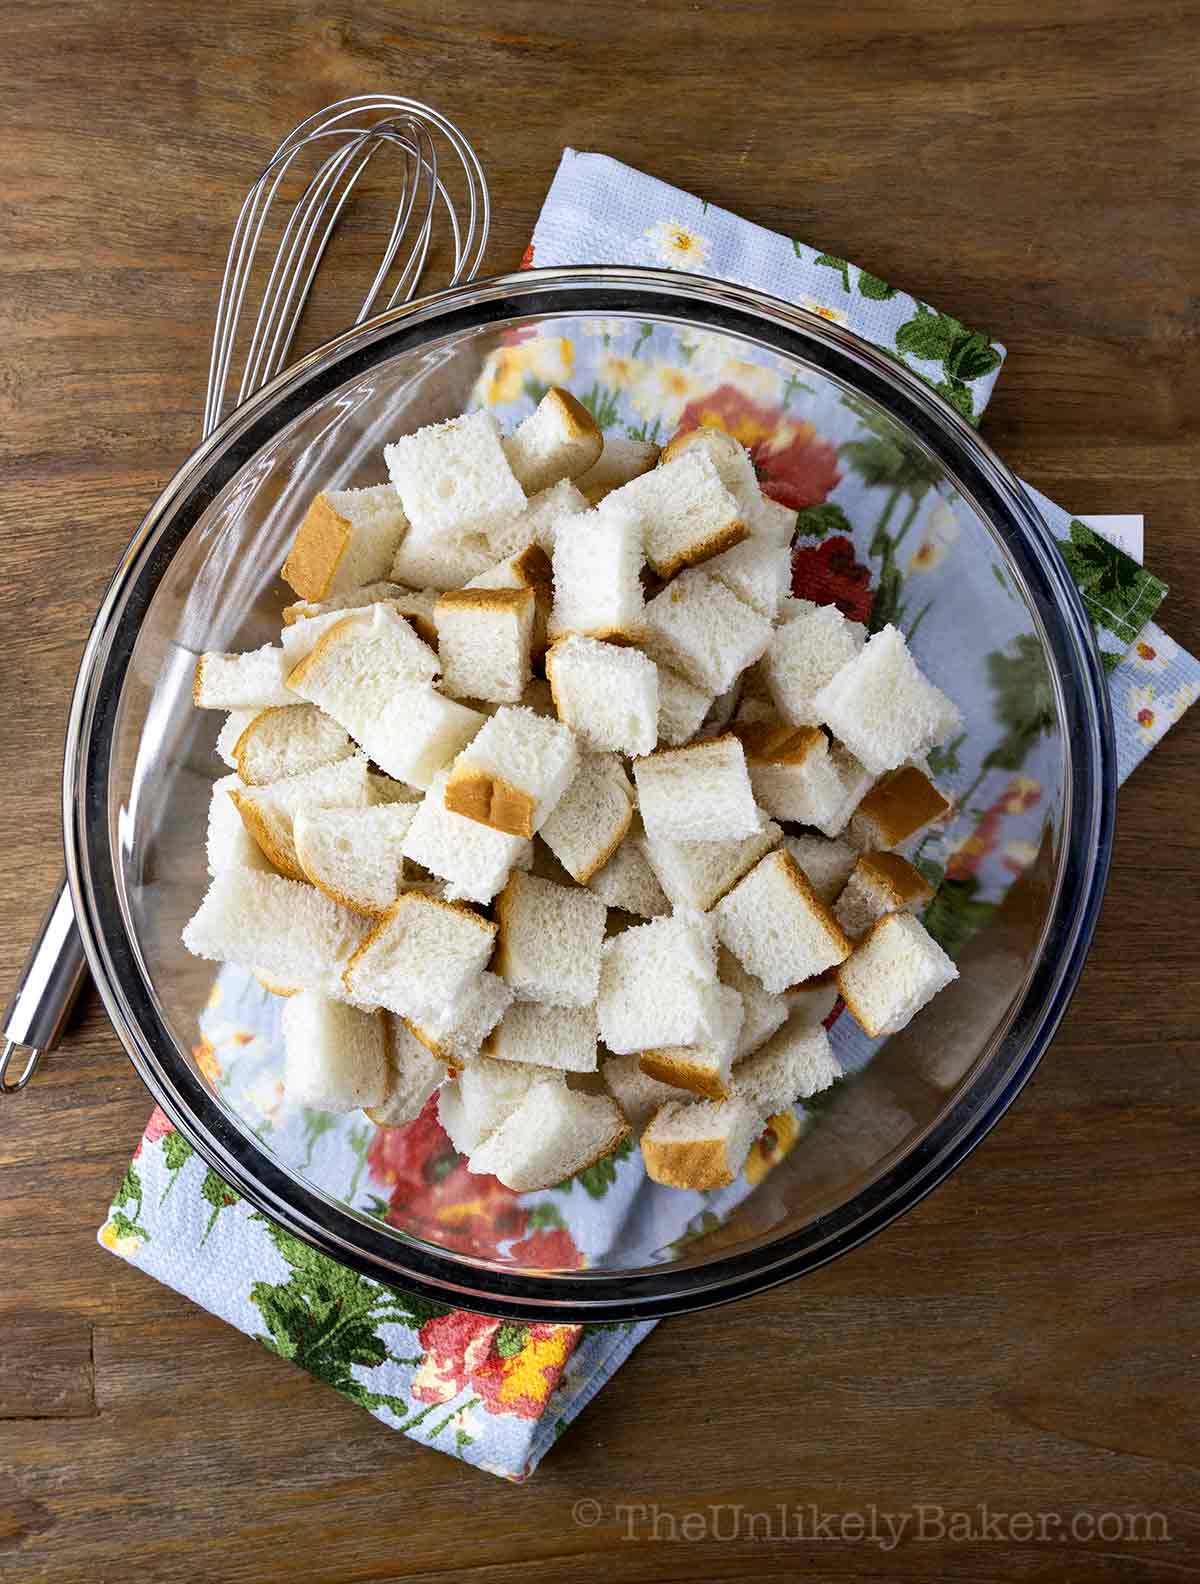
<point x="506" y="813"/>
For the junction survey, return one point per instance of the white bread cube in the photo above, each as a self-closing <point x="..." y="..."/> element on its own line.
<point x="882" y="882"/>
<point x="234" y="725"/>
<point x="348" y="538"/>
<point x="686" y="514"/>
<point x="453" y="477"/>
<point x="757" y="572"/>
<point x="334" y="1055"/>
<point x="548" y="946"/>
<point x="597" y="576"/>
<point x="287" y="741"/>
<point x="639" y="1096"/>
<point x="434" y="560"/>
<point x="883" y="708"/>
<point x="703" y="1069"/>
<point x="791" y="607"/>
<point x="529" y="568"/>
<point x="563" y="1038"/>
<point x="268" y="811"/>
<point x="775" y="522"/>
<point x="735" y="466"/>
<point x="420" y="733"/>
<point x="627" y="881"/>
<point x="620" y="461"/>
<point x="473" y="859"/>
<point x="256" y="681"/>
<point x="701" y="1145"/>
<point x="590" y="821"/>
<point x="513" y="773"/>
<point x="658" y="986"/>
<point x="895" y="810"/>
<point x="357" y="664"/>
<point x="812" y="1000"/>
<point x="474" y="1104"/>
<point x="289" y="931"/>
<point x="354" y="855"/>
<point x="698" y="793"/>
<point x="803" y="655"/>
<point x="826" y="864"/>
<point x="302" y="636"/>
<point x="559" y="440"/>
<point x="456" y="1034"/>
<point x="682" y="707"/>
<point x="698" y="874"/>
<point x="420" y="957"/>
<point x="762" y="1012"/>
<point x="895" y="971"/>
<point x="348" y="600"/>
<point x="700" y="628"/>
<point x="230" y="845"/>
<point x="776" y="925"/>
<point x="485" y="642"/>
<point x="794" y="1064"/>
<point x="413" y="1075"/>
<point x="605" y="692"/>
<point x="554" y="1133"/>
<point x="790" y="770"/>
<point x="538" y="523"/>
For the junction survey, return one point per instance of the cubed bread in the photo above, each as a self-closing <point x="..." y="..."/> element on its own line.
<point x="229" y="844"/>
<point x="268" y="811"/>
<point x="895" y="810"/>
<point x="457" y="1033"/>
<point x="529" y="568"/>
<point x="882" y="882"/>
<point x="454" y="477"/>
<point x="699" y="793"/>
<point x="420" y="958"/>
<point x="803" y="655"/>
<point x="735" y="467"/>
<point x="775" y="521"/>
<point x="538" y="522"/>
<point x="703" y="1069"/>
<point x="348" y="538"/>
<point x="287" y="741"/>
<point x="606" y="693"/>
<point x="658" y="986"/>
<point x="895" y="970"/>
<point x="415" y="606"/>
<point x="485" y="642"/>
<point x="702" y="629"/>
<point x="349" y="599"/>
<point x="762" y="1012"/>
<point x="563" y="1038"/>
<point x="559" y="440"/>
<point x="474" y="859"/>
<point x="232" y="727"/>
<point x="812" y="1000"/>
<point x="797" y="774"/>
<point x="512" y="775"/>
<point x="638" y="1095"/>
<point x="794" y="1064"/>
<point x="553" y="1134"/>
<point x="620" y="461"/>
<point x="757" y="572"/>
<point x="253" y="681"/>
<point x="549" y="940"/>
<point x="685" y="512"/>
<point x="590" y="820"/>
<point x="698" y="874"/>
<point x="289" y="931"/>
<point x="776" y="925"/>
<point x="430" y="559"/>
<point x="597" y="583"/>
<point x="413" y="1075"/>
<point x="357" y="664"/>
<point x="476" y="1102"/>
<point x="682" y="707"/>
<point x="354" y="855"/>
<point x="701" y="1145"/>
<point x="826" y="864"/>
<point x="334" y="1055"/>
<point x="883" y="708"/>
<point x="627" y="881"/>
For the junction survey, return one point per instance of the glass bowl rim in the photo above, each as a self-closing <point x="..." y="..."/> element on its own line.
<point x="650" y="1292"/>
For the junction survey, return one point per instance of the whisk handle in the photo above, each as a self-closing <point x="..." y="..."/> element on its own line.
<point x="47" y="990"/>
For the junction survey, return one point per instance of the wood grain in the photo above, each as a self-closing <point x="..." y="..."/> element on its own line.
<point x="1026" y="1337"/>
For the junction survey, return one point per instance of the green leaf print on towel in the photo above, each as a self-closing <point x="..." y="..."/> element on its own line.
<point x="597" y="1179"/>
<point x="1119" y="594"/>
<point x="814" y="522"/>
<point x="831" y="262"/>
<point x="1024" y="700"/>
<point x="965" y="355"/>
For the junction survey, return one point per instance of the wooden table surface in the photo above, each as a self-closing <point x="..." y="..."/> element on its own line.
<point x="1026" y="1338"/>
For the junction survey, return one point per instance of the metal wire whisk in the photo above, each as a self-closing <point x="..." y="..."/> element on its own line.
<point x="357" y="129"/>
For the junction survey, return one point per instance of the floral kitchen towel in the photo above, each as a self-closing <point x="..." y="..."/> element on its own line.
<point x="877" y="534"/>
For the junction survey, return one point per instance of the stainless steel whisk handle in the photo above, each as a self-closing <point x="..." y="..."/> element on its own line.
<point x="47" y="990"/>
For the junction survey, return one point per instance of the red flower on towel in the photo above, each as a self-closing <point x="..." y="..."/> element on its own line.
<point x="159" y="1126"/>
<point x="830" y="574"/>
<point x="513" y="1367"/>
<point x="795" y="465"/>
<point x="527" y="258"/>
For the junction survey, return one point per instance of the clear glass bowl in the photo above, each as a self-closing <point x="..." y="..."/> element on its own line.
<point x="969" y="570"/>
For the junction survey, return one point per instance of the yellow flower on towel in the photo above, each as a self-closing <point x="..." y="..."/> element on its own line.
<point x="664" y="391"/>
<point x="119" y="1243"/>
<point x="781" y="1132"/>
<point x="546" y="359"/>
<point x="941" y="531"/>
<point x="824" y="311"/>
<point x="678" y="246"/>
<point x="620" y="373"/>
<point x="1154" y="654"/>
<point x="759" y="384"/>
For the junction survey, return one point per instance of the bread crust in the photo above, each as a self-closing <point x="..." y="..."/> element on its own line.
<point x="260" y="829"/>
<point x="409" y="899"/>
<point x="769" y="742"/>
<point x="486" y="599"/>
<point x="701" y="550"/>
<point x="578" y="424"/>
<point x="674" y="1067"/>
<point x="904" y="883"/>
<point x="599" y="860"/>
<point x="687" y="1163"/>
<point x="490" y="800"/>
<point x="800" y="882"/>
<point x="332" y="635"/>
<point x="618" y="1136"/>
<point x="319" y="545"/>
<point x="897" y="807"/>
